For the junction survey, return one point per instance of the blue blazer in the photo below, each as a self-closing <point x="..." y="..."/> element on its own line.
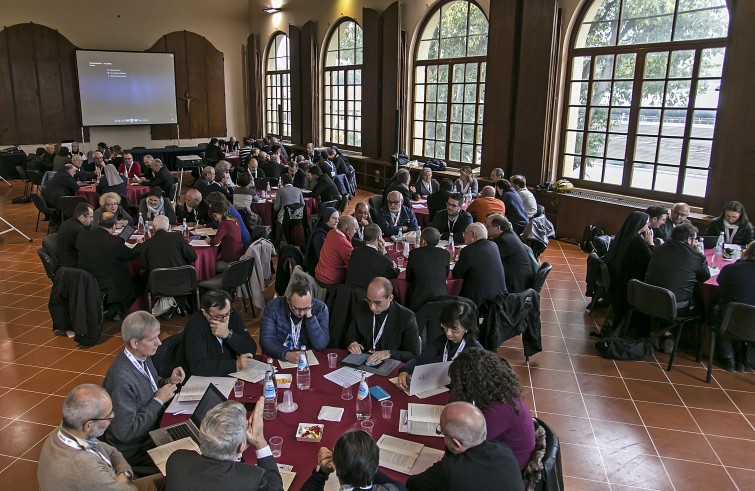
<point x="406" y="217"/>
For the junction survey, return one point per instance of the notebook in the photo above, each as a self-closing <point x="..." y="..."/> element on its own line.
<point x="211" y="398"/>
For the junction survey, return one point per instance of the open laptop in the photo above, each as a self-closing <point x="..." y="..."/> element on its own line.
<point x="709" y="241"/>
<point x="211" y="398"/>
<point x="127" y="232"/>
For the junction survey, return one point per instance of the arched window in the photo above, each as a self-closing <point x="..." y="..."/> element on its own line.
<point x="642" y="92"/>
<point x="278" y="87"/>
<point x="449" y="84"/>
<point x="342" y="115"/>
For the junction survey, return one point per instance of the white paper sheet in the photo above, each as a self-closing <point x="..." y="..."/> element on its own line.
<point x="330" y="413"/>
<point x="398" y="454"/>
<point x="288" y="479"/>
<point x="205" y="231"/>
<point x="311" y="359"/>
<point x="332" y="484"/>
<point x="430" y="376"/>
<point x="421" y="395"/>
<point x="159" y="455"/>
<point x="253" y="373"/>
<point x="346" y="376"/>
<point x="196" y="386"/>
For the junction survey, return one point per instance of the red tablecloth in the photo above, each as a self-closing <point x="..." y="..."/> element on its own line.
<point x="709" y="290"/>
<point x="265" y="208"/>
<point x="133" y="193"/>
<point x="303" y="456"/>
<point x="421" y="211"/>
<point x="402" y="289"/>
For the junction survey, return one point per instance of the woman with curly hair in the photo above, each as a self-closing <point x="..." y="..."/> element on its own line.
<point x="481" y="378"/>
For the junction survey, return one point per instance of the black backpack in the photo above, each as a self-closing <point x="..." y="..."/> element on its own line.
<point x="618" y="348"/>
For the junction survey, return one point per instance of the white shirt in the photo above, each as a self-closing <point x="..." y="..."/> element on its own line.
<point x="530" y="205"/>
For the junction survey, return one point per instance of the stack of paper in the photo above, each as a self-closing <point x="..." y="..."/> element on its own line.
<point x="253" y="373"/>
<point x="421" y="419"/>
<point x="196" y="386"/>
<point x="398" y="454"/>
<point x="346" y="376"/>
<point x="160" y="454"/>
<point x="421" y="395"/>
<point x="311" y="359"/>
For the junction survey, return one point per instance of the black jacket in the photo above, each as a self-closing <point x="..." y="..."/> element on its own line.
<point x="61" y="184"/>
<point x="325" y="189"/>
<point x="205" y="355"/>
<point x="743" y="237"/>
<point x="213" y="153"/>
<point x="400" y="334"/>
<point x="480" y="266"/>
<point x="165" y="250"/>
<point x="437" y="202"/>
<point x="737" y="282"/>
<point x="68" y="231"/>
<point x="516" y="261"/>
<point x="367" y="263"/>
<point x="509" y="315"/>
<point x="190" y="471"/>
<point x="106" y="257"/>
<point x="440" y="222"/>
<point x="163" y="180"/>
<point x="75" y="303"/>
<point x="427" y="271"/>
<point x="678" y="267"/>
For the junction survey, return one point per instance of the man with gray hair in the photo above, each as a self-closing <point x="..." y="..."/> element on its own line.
<point x="164" y="249"/>
<point x="139" y="394"/>
<point x="224" y="435"/>
<point x="471" y="462"/>
<point x="162" y="179"/>
<point x="73" y="458"/>
<point x="480" y="266"/>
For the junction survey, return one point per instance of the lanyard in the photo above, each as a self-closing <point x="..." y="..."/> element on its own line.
<point x="451" y="224"/>
<point x="75" y="444"/>
<point x="459" y="350"/>
<point x="295" y="333"/>
<point x="395" y="218"/>
<point x="380" y="332"/>
<point x="142" y="369"/>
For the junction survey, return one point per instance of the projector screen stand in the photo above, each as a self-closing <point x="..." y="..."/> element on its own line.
<point x="12" y="228"/>
<point x="6" y="182"/>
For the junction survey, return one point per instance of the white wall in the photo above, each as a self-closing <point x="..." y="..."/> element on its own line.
<point x="135" y="25"/>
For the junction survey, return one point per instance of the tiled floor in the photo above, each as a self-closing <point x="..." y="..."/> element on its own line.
<point x="623" y="425"/>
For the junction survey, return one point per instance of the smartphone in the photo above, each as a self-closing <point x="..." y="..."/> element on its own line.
<point x="379" y="393"/>
<point x="249" y="406"/>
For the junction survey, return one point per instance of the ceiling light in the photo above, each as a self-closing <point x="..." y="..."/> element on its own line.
<point x="272" y="10"/>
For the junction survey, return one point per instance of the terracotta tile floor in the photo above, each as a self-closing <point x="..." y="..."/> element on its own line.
<point x="623" y="425"/>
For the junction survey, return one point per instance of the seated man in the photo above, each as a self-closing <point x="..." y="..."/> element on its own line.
<point x="224" y="434"/>
<point x="133" y="169"/>
<point x="139" y="394"/>
<point x="514" y="206"/>
<point x="288" y="194"/>
<point x="354" y="459"/>
<point x="322" y="185"/>
<point x="298" y="176"/>
<point x="294" y="320"/>
<point x="679" y="215"/>
<point x="519" y="183"/>
<point x="658" y="216"/>
<point x="73" y="458"/>
<point x="194" y="210"/>
<point x="362" y="216"/>
<point x="164" y="249"/>
<point x="394" y="216"/>
<point x="427" y="269"/>
<point x="67" y="254"/>
<point x="207" y="183"/>
<point x="335" y="252"/>
<point x="61" y="184"/>
<point x="480" y="266"/>
<point x="162" y="179"/>
<point x="106" y="257"/>
<point x="369" y="260"/>
<point x="485" y="204"/>
<point x="471" y="462"/>
<point x="253" y="165"/>
<point x="81" y="174"/>
<point x="452" y="220"/>
<point x="400" y="182"/>
<point x="383" y="327"/>
<point x="216" y="342"/>
<point x="516" y="261"/>
<point x="438" y="200"/>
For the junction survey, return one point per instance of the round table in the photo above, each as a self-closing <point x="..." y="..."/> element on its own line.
<point x="303" y="455"/>
<point x="264" y="208"/>
<point x="402" y="289"/>
<point x="134" y="194"/>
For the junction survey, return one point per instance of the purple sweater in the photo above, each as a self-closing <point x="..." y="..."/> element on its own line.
<point x="517" y="431"/>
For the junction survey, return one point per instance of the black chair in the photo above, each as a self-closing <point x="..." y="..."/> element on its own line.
<point x="541" y="276"/>
<point x="343" y="203"/>
<point x="332" y="204"/>
<point x="50" y="244"/>
<point x="67" y="204"/>
<point x="172" y="282"/>
<point x="41" y="205"/>
<point x="738" y="323"/>
<point x="35" y="179"/>
<point x="602" y="282"/>
<point x="236" y="275"/>
<point x="660" y="304"/>
<point x="50" y="264"/>
<point x="172" y="193"/>
<point x="375" y="201"/>
<point x="22" y="175"/>
<point x="544" y="472"/>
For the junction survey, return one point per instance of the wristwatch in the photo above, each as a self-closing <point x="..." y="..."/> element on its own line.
<point x="129" y="475"/>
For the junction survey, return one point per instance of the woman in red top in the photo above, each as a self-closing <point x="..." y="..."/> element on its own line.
<point x="228" y="236"/>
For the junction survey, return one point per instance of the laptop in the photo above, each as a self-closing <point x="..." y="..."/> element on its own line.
<point x="211" y="398"/>
<point x="709" y="241"/>
<point x="127" y="232"/>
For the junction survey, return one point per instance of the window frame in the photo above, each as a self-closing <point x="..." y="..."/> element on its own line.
<point x="277" y="91"/>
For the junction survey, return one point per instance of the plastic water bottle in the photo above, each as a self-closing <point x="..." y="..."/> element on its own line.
<point x="451" y="244"/>
<point x="267" y="190"/>
<point x="303" y="378"/>
<point x="147" y="233"/>
<point x="701" y="247"/>
<point x="140" y="227"/>
<point x="719" y="251"/>
<point x="364" y="401"/>
<point x="270" y="409"/>
<point x="406" y="249"/>
<point x="416" y="237"/>
<point x="400" y="234"/>
<point x="185" y="229"/>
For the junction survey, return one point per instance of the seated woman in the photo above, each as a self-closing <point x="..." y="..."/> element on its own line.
<point x="112" y="202"/>
<point x="627" y="258"/>
<point x="155" y="204"/>
<point x="218" y="197"/>
<point x="328" y="221"/>
<point x="228" y="236"/>
<point x="459" y="323"/>
<point x="734" y="224"/>
<point x="223" y="174"/>
<point x="112" y="182"/>
<point x="481" y="378"/>
<point x="466" y="184"/>
<point x="425" y="184"/>
<point x="243" y="194"/>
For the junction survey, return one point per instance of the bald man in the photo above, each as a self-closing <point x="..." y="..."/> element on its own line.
<point x="194" y="210"/>
<point x="485" y="204"/>
<point x="679" y="215"/>
<point x="396" y="216"/>
<point x="471" y="462"/>
<point x="480" y="266"/>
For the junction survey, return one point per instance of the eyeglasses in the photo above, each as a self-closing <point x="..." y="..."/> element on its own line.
<point x="219" y="317"/>
<point x="300" y="310"/>
<point x="110" y="417"/>
<point x="394" y="202"/>
<point x="438" y="431"/>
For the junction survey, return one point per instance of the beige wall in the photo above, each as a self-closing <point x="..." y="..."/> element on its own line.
<point x="135" y="25"/>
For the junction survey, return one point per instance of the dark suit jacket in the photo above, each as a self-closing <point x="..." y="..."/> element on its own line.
<point x="209" y="358"/>
<point x="427" y="270"/>
<point x="213" y="152"/>
<point x="440" y="222"/>
<point x="480" y="266"/>
<point x="119" y="189"/>
<point x="367" y="263"/>
<point x="437" y="202"/>
<point x="516" y="262"/>
<point x="106" y="257"/>
<point x="743" y="237"/>
<point x="68" y="231"/>
<point x="61" y="184"/>
<point x="300" y="180"/>
<point x="165" y="250"/>
<point x="406" y="218"/>
<point x="325" y="189"/>
<point x="190" y="471"/>
<point x="400" y="335"/>
<point x="664" y="231"/>
<point x="405" y="192"/>
<point x="678" y="267"/>
<point x="163" y="180"/>
<point x="273" y="169"/>
<point x="489" y="465"/>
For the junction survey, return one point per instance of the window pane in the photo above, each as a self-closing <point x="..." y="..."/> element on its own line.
<point x="601" y="93"/>
<point x="603" y="67"/>
<point x="454" y="152"/>
<point x="670" y="151"/>
<point x="652" y="94"/>
<point x="619" y="120"/>
<point x="666" y="179"/>
<point x="622" y="94"/>
<point x="695" y="182"/>
<point x="656" y="64"/>
<point x="698" y="154"/>
<point x="596" y="144"/>
<point x="674" y="121"/>
<point x="707" y="93"/>
<point x="581" y="68"/>
<point x="681" y="63"/>
<point x="598" y="119"/>
<point x="573" y="142"/>
<point x="572" y="166"/>
<point x="576" y="118"/>
<point x="703" y="123"/>
<point x="650" y="122"/>
<point x="578" y="93"/>
<point x="594" y="170"/>
<point x="614" y="172"/>
<point x="712" y="62"/>
<point x="625" y="65"/>
<point x="677" y="93"/>
<point x="702" y="24"/>
<point x="616" y="147"/>
<point x="645" y="148"/>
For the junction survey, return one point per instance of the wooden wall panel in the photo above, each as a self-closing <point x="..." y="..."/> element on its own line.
<point x="254" y="86"/>
<point x="8" y="127"/>
<point x="392" y="73"/>
<point x="295" y="67"/>
<point x="200" y="74"/>
<point x="371" y="117"/>
<point x="309" y="84"/>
